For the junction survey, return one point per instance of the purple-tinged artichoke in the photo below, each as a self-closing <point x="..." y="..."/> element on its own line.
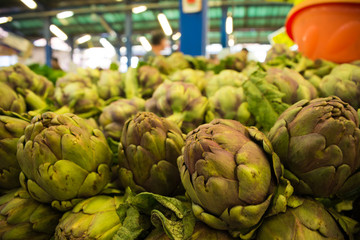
<point x="344" y="82"/>
<point x="111" y="84"/>
<point x="309" y="220"/>
<point x="318" y="143"/>
<point x="114" y="116"/>
<point x="180" y="102"/>
<point x="196" y="77"/>
<point x="148" y="151"/>
<point x="230" y="172"/>
<point x="291" y="83"/>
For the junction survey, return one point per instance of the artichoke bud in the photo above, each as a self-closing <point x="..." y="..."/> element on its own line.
<point x="148" y="151"/>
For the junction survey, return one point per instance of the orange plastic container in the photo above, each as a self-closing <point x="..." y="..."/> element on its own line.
<point x="327" y="29"/>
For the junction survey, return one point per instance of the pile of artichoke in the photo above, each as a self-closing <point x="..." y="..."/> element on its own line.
<point x="182" y="148"/>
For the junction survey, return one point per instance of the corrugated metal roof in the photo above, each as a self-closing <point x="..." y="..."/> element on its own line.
<point x="253" y="20"/>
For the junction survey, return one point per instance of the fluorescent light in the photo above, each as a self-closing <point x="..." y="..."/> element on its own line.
<point x="41" y="42"/>
<point x="139" y="9"/>
<point x="83" y="39"/>
<point x="176" y="36"/>
<point x="58" y="32"/>
<point x="5" y="19"/>
<point x="30" y="3"/>
<point x="229" y="25"/>
<point x="66" y="14"/>
<point x="145" y="43"/>
<point x="164" y="23"/>
<point x="106" y="44"/>
<point x="231" y="41"/>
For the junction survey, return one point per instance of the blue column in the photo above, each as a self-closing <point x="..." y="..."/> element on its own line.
<point x="128" y="34"/>
<point x="194" y="28"/>
<point x="47" y="36"/>
<point x="224" y="37"/>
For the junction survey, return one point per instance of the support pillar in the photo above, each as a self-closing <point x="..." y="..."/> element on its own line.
<point x="224" y="36"/>
<point x="128" y="35"/>
<point x="194" y="28"/>
<point x="47" y="36"/>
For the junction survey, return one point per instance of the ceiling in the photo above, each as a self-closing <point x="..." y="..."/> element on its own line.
<point x="254" y="20"/>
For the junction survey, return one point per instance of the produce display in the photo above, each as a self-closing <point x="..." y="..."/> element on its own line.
<point x="182" y="148"/>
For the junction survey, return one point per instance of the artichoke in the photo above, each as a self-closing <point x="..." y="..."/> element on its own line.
<point x="21" y="77"/>
<point x="344" y="82"/>
<point x="292" y="84"/>
<point x="78" y="93"/>
<point x="149" y="79"/>
<point x="160" y="63"/>
<point x="10" y="101"/>
<point x="201" y="231"/>
<point x="110" y="85"/>
<point x="181" y="102"/>
<point x="11" y="129"/>
<point x="235" y="61"/>
<point x="318" y="143"/>
<point x="93" y="218"/>
<point x="63" y="159"/>
<point x="310" y="220"/>
<point x="229" y="103"/>
<point x="92" y="74"/>
<point x="22" y="218"/>
<point x="178" y="61"/>
<point x="226" y="156"/>
<point x="279" y="50"/>
<point x="114" y="116"/>
<point x="224" y="78"/>
<point x="189" y="75"/>
<point x="148" y="151"/>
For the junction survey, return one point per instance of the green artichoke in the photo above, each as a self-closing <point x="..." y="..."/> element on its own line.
<point x="114" y="116"/>
<point x="21" y="77"/>
<point x="201" y="231"/>
<point x="279" y="50"/>
<point x="93" y="74"/>
<point x="224" y="78"/>
<point x="10" y="101"/>
<point x="189" y="75"/>
<point x="229" y="103"/>
<point x="292" y="84"/>
<point x="160" y="63"/>
<point x="149" y="79"/>
<point x="310" y="220"/>
<point x="63" y="159"/>
<point x="110" y="85"/>
<point x="178" y="61"/>
<point x="93" y="218"/>
<point x="22" y="218"/>
<point x="78" y="93"/>
<point x="344" y="82"/>
<point x="235" y="61"/>
<point x="224" y="156"/>
<point x="181" y="102"/>
<point x="11" y="129"/>
<point x="318" y="143"/>
<point x="148" y="151"/>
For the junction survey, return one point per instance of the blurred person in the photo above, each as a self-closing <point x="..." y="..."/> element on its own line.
<point x="158" y="43"/>
<point x="55" y="63"/>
